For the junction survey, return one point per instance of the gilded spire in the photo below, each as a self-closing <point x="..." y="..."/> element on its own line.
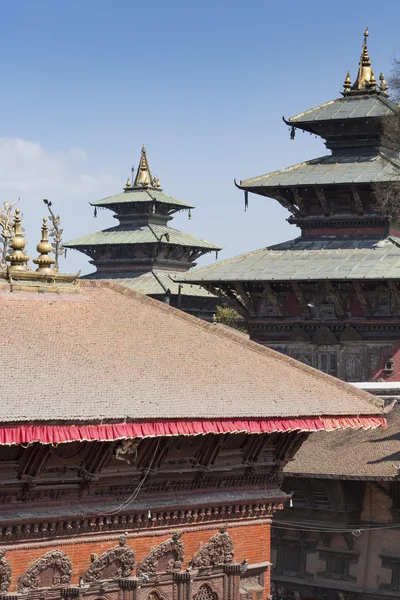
<point x="347" y="83"/>
<point x="372" y="82"/>
<point x="143" y="175"/>
<point x="383" y="86"/>
<point x="364" y="69"/>
<point x="17" y="258"/>
<point x="128" y="182"/>
<point x="44" y="261"/>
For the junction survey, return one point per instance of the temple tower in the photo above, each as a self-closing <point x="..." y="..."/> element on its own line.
<point x="142" y="252"/>
<point x="329" y="298"/>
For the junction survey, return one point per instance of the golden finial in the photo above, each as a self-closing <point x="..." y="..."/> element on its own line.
<point x="347" y="82"/>
<point x="143" y="175"/>
<point x="383" y="86"/>
<point x="128" y="182"/>
<point x="156" y="182"/>
<point x="44" y="261"/>
<point x="18" y="258"/>
<point x="364" y="69"/>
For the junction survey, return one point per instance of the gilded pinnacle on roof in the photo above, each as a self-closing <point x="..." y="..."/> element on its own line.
<point x="143" y="175"/>
<point x="44" y="261"/>
<point x="383" y="86"/>
<point x="347" y="83"/>
<point x="364" y="69"/>
<point x="128" y="182"/>
<point x="17" y="258"/>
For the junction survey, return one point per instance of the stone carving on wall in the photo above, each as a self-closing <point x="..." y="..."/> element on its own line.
<point x="165" y="558"/>
<point x="112" y="564"/>
<point x="218" y="551"/>
<point x="5" y="571"/>
<point x="205" y="593"/>
<point x="50" y="570"/>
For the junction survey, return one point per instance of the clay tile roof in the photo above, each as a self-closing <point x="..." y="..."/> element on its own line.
<point x="351" y="454"/>
<point x="109" y="353"/>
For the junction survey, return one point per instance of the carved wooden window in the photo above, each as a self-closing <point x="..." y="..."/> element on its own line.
<point x="205" y="593"/>
<point x="338" y="565"/>
<point x="291" y="559"/>
<point x="327" y="362"/>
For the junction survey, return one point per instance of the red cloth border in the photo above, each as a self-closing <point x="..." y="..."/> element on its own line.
<point x="55" y="434"/>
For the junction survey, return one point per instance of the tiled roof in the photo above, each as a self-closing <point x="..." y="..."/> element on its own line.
<point x="302" y="259"/>
<point x="349" y="107"/>
<point x="143" y="235"/>
<point x="328" y="170"/>
<point x="145" y="195"/>
<point x="152" y="282"/>
<point x="372" y="454"/>
<point x="112" y="354"/>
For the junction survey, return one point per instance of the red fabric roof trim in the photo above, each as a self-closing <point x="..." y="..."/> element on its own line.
<point x="56" y="434"/>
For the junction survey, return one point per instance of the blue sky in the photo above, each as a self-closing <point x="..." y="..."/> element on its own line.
<point x="84" y="83"/>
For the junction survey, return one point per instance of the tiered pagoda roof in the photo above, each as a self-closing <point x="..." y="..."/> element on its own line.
<point x="332" y="199"/>
<point x="142" y="252"/>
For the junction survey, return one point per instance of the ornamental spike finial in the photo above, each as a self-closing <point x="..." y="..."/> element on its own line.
<point x="17" y="258"/>
<point x="128" y="182"/>
<point x="143" y="175"/>
<point x="347" y="83"/>
<point x="364" y="68"/>
<point x="372" y="81"/>
<point x="44" y="261"/>
<point x="383" y="86"/>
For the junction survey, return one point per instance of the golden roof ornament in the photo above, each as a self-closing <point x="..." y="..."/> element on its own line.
<point x="383" y="85"/>
<point x="347" y="83"/>
<point x="44" y="261"/>
<point x="17" y="258"/>
<point x="364" y="69"/>
<point x="128" y="182"/>
<point x="372" y="82"/>
<point x="143" y="175"/>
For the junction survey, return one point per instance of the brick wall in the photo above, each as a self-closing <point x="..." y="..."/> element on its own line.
<point x="251" y="541"/>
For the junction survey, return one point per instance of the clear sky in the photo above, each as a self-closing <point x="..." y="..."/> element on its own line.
<point x="84" y="83"/>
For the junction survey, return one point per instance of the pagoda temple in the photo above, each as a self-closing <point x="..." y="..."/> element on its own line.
<point x="141" y="448"/>
<point x="329" y="298"/>
<point x="142" y="252"/>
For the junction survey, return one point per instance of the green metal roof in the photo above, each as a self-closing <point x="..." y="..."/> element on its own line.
<point x="349" y="107"/>
<point x="138" y="195"/>
<point x="142" y="235"/>
<point x="152" y="283"/>
<point x="331" y="170"/>
<point x="302" y="260"/>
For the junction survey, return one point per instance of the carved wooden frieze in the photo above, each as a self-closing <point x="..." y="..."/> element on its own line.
<point x="5" y="571"/>
<point x="165" y="558"/>
<point x="218" y="551"/>
<point x="50" y="570"/>
<point x="114" y="563"/>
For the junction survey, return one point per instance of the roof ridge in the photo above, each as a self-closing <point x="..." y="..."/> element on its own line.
<point x="250" y="345"/>
<point x="306" y="112"/>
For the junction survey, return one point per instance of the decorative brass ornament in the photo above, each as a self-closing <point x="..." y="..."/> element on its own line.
<point x="347" y="82"/>
<point x="383" y="86"/>
<point x="364" y="69"/>
<point x="143" y="175"/>
<point x="17" y="258"/>
<point x="44" y="261"/>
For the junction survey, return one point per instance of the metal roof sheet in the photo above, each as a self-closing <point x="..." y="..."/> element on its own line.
<point x="152" y="283"/>
<point x="349" y="107"/>
<point x="331" y="170"/>
<point x="136" y="195"/>
<point x="362" y="259"/>
<point x="142" y="235"/>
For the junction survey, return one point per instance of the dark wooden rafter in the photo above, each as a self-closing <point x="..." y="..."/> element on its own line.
<point x="334" y="295"/>
<point x="245" y="298"/>
<point x="395" y="293"/>
<point x="228" y="297"/>
<point x="357" y="200"/>
<point x="361" y="297"/>
<point x="323" y="200"/>
<point x="301" y="299"/>
<point x="299" y="201"/>
<point x="273" y="299"/>
<point x="286" y="204"/>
